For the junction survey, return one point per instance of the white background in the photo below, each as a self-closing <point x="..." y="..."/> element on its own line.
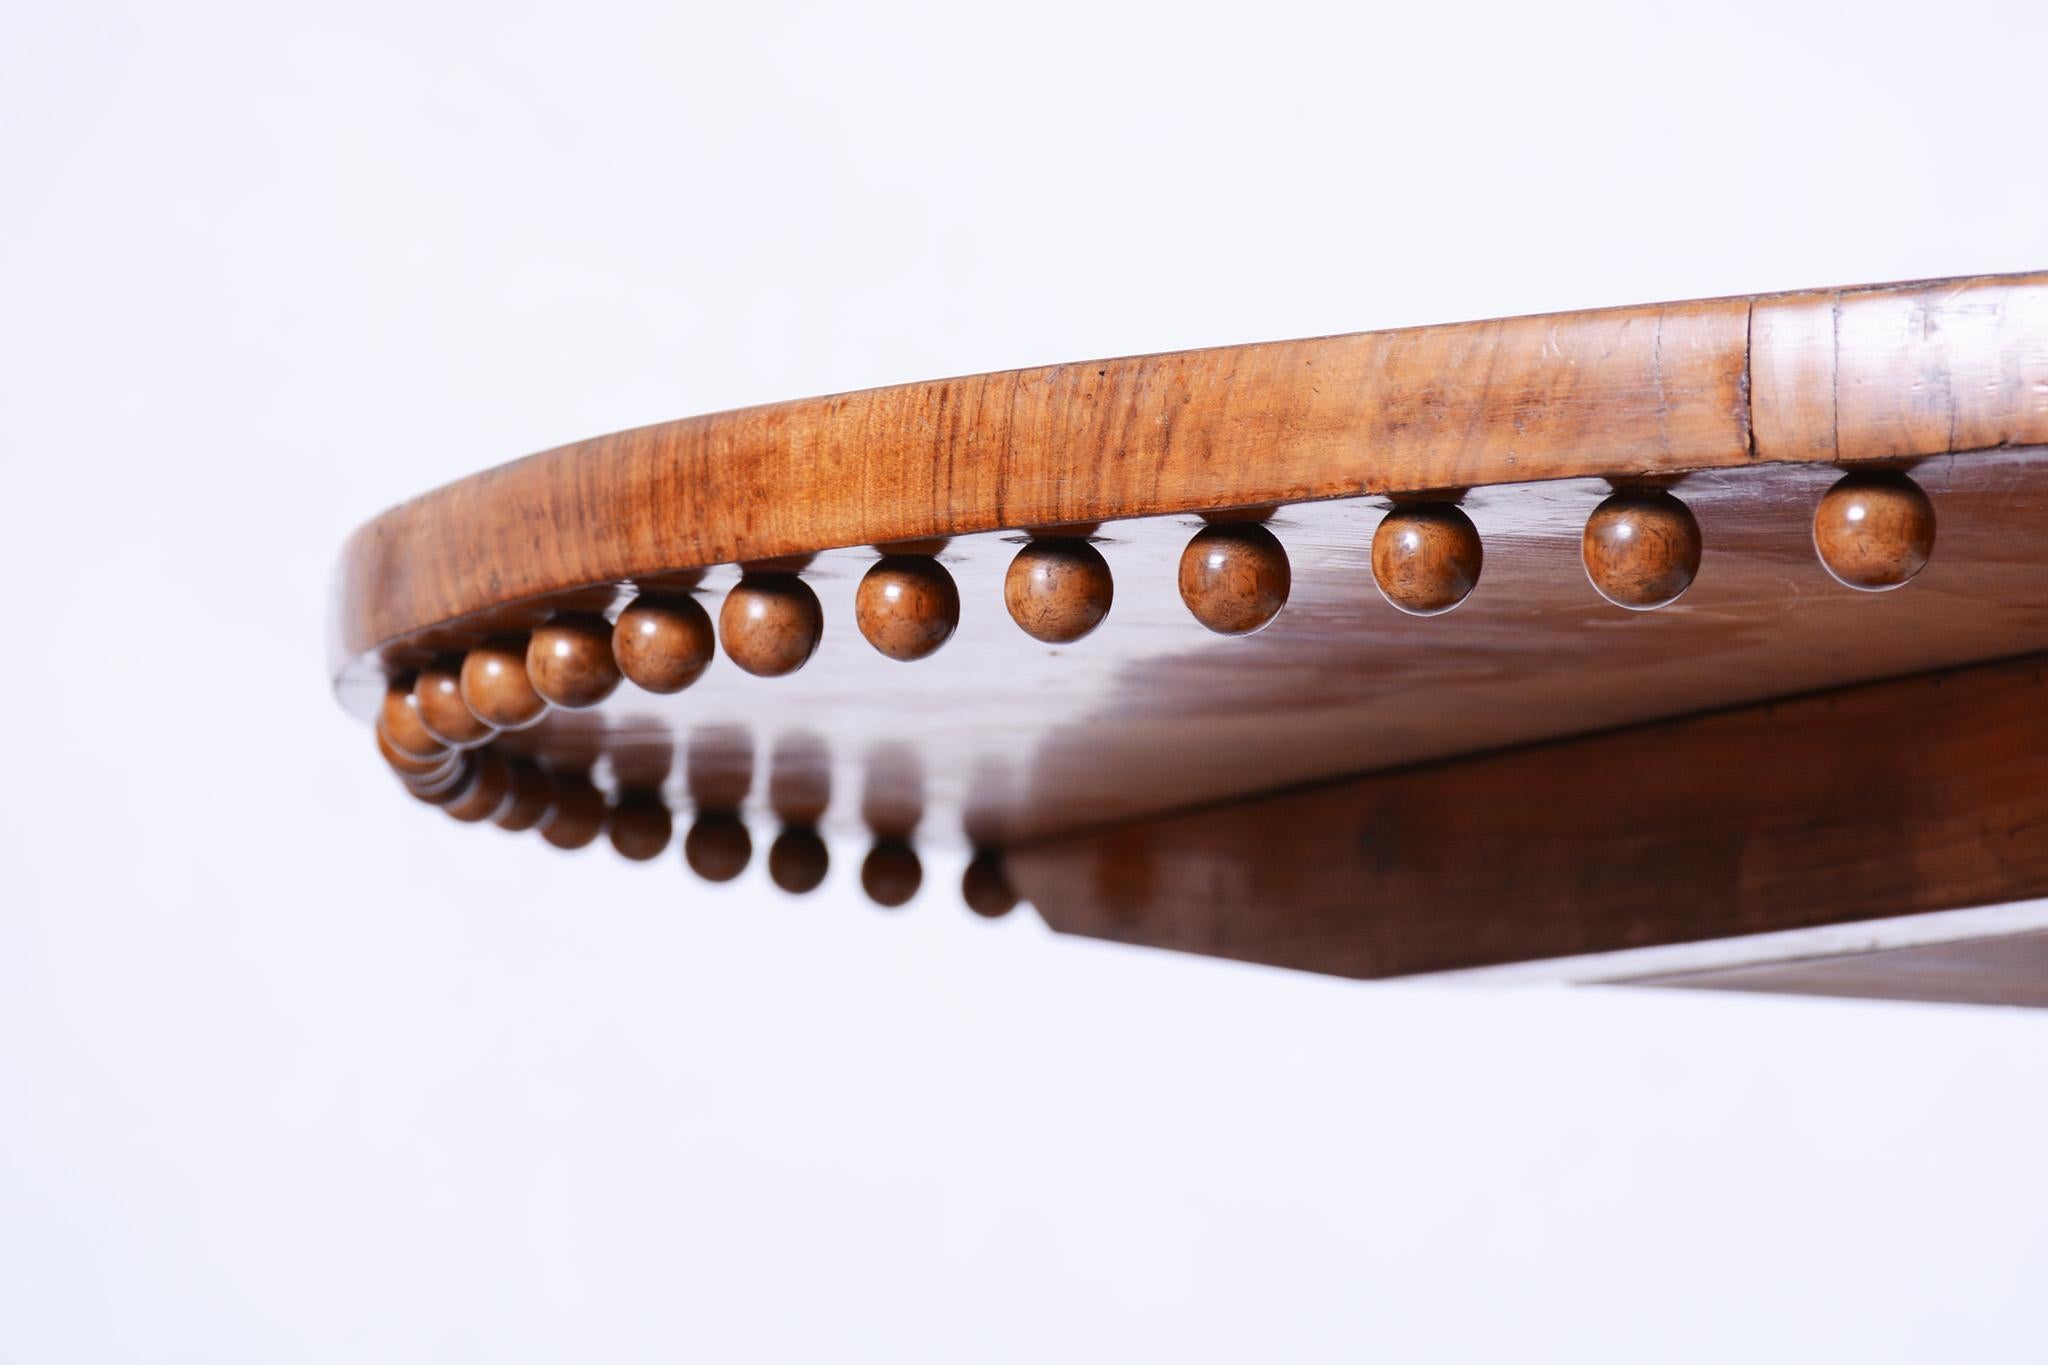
<point x="289" y="1072"/>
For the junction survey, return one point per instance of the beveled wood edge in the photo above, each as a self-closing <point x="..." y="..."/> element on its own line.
<point x="1870" y="373"/>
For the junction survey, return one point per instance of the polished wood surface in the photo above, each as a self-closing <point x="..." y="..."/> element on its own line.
<point x="495" y="685"/>
<point x="907" y="606"/>
<point x="1235" y="577"/>
<point x="771" y="624"/>
<point x="1058" y="590"/>
<point x="1642" y="549"/>
<point x="998" y="738"/>
<point x="1638" y="514"/>
<point x="663" y="642"/>
<point x="569" y="660"/>
<point x="1874" y="530"/>
<point x="443" y="712"/>
<point x="1426" y="557"/>
<point x="2010" y="969"/>
<point x="1928" y="793"/>
<point x="1848" y="374"/>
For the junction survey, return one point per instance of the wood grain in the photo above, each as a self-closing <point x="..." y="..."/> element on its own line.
<point x="1928" y="793"/>
<point x="1885" y="372"/>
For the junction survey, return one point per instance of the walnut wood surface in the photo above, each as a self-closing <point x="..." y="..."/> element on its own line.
<point x="1677" y="457"/>
<point x="1928" y="793"/>
<point x="998" y="738"/>
<point x="1850" y="374"/>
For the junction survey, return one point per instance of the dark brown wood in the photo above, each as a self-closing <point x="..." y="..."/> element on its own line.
<point x="986" y="887"/>
<point x="1058" y="589"/>
<point x="907" y="606"/>
<point x="1235" y="577"/>
<point x="771" y="624"/>
<point x="569" y="660"/>
<point x="488" y="788"/>
<point x="2008" y="970"/>
<point x="718" y="846"/>
<point x="447" y="785"/>
<point x="533" y="796"/>
<point x="640" y="826"/>
<point x="495" y="686"/>
<point x="1426" y="557"/>
<point x="798" y="860"/>
<point x="891" y="873"/>
<point x="1928" y="793"/>
<point x="577" y="816"/>
<point x="1641" y="548"/>
<point x="1874" y="530"/>
<point x="663" y="643"/>
<point x="443" y="712"/>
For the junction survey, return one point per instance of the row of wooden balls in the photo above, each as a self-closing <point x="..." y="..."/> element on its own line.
<point x="569" y="811"/>
<point x="1641" y="549"/>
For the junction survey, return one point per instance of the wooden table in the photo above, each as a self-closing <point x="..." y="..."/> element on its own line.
<point x="1566" y="640"/>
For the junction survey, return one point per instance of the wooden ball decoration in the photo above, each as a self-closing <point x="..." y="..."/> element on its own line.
<point x="533" y="796"/>
<point x="907" y="606"/>
<point x="447" y="786"/>
<point x="1058" y="590"/>
<point x="578" y="814"/>
<point x="718" y="847"/>
<point x="489" y="786"/>
<point x="403" y="730"/>
<point x="496" y="689"/>
<point x="663" y="643"/>
<point x="1874" y="530"/>
<point x="798" y="860"/>
<point x="891" y="873"/>
<point x="444" y="713"/>
<point x="640" y="826"/>
<point x="410" y="768"/>
<point x="1641" y="549"/>
<point x="770" y="624"/>
<point x="569" y="661"/>
<point x="1235" y="577"/>
<point x="985" y="888"/>
<point x="1426" y="557"/>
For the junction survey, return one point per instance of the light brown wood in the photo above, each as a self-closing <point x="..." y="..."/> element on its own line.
<point x="399" y="720"/>
<point x="771" y="624"/>
<point x="443" y="712"/>
<point x="1662" y="389"/>
<point x="907" y="606"/>
<point x="1874" y="530"/>
<point x="1641" y="549"/>
<point x="663" y="643"/>
<point x="1929" y="793"/>
<point x="569" y="660"/>
<point x="1497" y="443"/>
<point x="495" y="686"/>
